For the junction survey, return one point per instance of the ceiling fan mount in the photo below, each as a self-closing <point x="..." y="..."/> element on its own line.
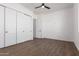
<point x="42" y="6"/>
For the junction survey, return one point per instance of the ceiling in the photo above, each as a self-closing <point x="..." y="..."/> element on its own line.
<point x="53" y="6"/>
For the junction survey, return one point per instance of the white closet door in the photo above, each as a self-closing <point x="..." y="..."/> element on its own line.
<point x="10" y="27"/>
<point x="24" y="28"/>
<point x="28" y="28"/>
<point x="19" y="27"/>
<point x="1" y="27"/>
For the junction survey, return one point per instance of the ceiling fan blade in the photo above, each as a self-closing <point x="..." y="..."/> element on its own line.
<point x="47" y="7"/>
<point x="38" y="7"/>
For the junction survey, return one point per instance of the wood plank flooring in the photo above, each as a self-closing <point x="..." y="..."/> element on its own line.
<point x="41" y="47"/>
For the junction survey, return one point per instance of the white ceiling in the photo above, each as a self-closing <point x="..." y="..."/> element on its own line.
<point x="53" y="6"/>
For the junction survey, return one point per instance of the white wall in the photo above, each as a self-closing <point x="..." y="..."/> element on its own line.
<point x="57" y="25"/>
<point x="76" y="25"/>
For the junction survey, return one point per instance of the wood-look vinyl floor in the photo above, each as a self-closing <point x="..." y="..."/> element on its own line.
<point x="41" y="47"/>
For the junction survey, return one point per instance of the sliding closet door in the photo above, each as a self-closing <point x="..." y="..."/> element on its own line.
<point x="1" y="27"/>
<point x="24" y="28"/>
<point x="10" y="27"/>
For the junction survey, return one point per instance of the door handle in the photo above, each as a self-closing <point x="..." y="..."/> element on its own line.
<point x="30" y="31"/>
<point x="6" y="31"/>
<point x="39" y="30"/>
<point x="23" y="31"/>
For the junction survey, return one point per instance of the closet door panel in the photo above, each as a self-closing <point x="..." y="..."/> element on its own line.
<point x="1" y="27"/>
<point x="24" y="28"/>
<point x="10" y="27"/>
<point x="19" y="27"/>
<point x="28" y="28"/>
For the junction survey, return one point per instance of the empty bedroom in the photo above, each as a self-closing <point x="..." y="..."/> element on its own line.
<point x="39" y="29"/>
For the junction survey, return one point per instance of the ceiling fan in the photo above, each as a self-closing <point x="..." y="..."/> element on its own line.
<point x="43" y="6"/>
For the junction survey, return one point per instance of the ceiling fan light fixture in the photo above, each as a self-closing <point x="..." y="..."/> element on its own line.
<point x="42" y="6"/>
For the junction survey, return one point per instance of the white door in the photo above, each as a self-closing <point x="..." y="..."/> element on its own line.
<point x="28" y="28"/>
<point x="24" y="28"/>
<point x="34" y="28"/>
<point x="10" y="27"/>
<point x="19" y="27"/>
<point x="1" y="27"/>
<point x="39" y="28"/>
